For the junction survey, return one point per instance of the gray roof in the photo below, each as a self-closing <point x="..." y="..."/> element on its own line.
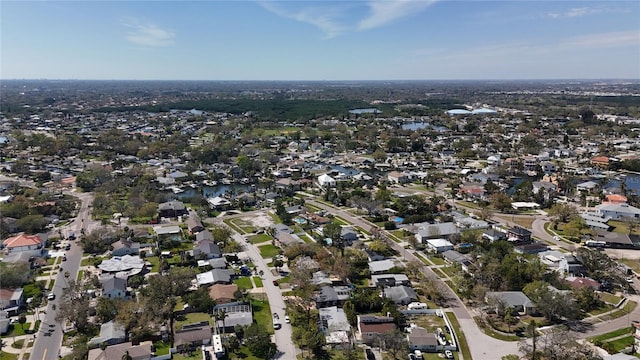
<point x="204" y="235"/>
<point x="511" y="298"/>
<point x="109" y="331"/>
<point x="400" y="294"/>
<point x="381" y="265"/>
<point x="420" y="337"/>
<point x="114" y="283"/>
<point x="172" y="205"/>
<point x="332" y="319"/>
<point x="437" y="230"/>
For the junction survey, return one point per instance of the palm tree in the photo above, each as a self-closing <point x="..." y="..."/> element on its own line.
<point x="220" y="315"/>
<point x="126" y="356"/>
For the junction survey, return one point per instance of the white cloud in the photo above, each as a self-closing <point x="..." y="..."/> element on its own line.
<point x="332" y="17"/>
<point x="604" y="40"/>
<point x="322" y="17"/>
<point x="148" y="34"/>
<point x="584" y="11"/>
<point x="383" y="12"/>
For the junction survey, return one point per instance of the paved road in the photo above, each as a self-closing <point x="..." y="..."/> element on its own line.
<point x="282" y="337"/>
<point x="47" y="347"/>
<point x="483" y="347"/>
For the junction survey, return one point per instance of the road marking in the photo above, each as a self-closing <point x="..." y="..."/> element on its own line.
<point x="44" y="355"/>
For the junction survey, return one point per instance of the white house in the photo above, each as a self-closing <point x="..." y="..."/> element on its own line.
<point x="326" y="181"/>
<point x="22" y="242"/>
<point x="617" y="211"/>
<point x="439" y="245"/>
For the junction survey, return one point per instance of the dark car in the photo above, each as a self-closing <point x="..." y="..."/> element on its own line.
<point x="369" y="354"/>
<point x="275" y="283"/>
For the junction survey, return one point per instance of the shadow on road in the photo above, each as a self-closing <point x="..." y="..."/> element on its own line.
<point x="579" y="326"/>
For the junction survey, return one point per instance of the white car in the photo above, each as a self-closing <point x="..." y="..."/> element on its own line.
<point x="448" y="354"/>
<point x="51" y="296"/>
<point x="287" y="320"/>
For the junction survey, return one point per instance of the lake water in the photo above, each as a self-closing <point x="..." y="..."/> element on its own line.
<point x="632" y="181"/>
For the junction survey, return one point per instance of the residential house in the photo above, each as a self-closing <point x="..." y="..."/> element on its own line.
<point x="472" y="191"/>
<point x="419" y="339"/>
<point x="434" y="231"/>
<point x="23" y="242"/>
<point x="11" y="300"/>
<point x="400" y="294"/>
<point x="371" y="326"/>
<point x="384" y="280"/>
<point x="519" y="234"/>
<point x="494" y="235"/>
<point x="236" y="314"/>
<point x="381" y="266"/>
<point x="348" y="234"/>
<point x="579" y="282"/>
<point x="455" y="257"/>
<point x="193" y="336"/>
<point x="194" y="224"/>
<point x="114" y="287"/>
<point x="334" y="324"/>
<point x="398" y="177"/>
<point x="516" y="300"/>
<point x="332" y="296"/>
<point x="547" y="187"/>
<point x="206" y="249"/>
<point x="125" y="247"/>
<point x="218" y="203"/>
<point x="172" y="209"/>
<point x="171" y="232"/>
<point x="548" y="167"/>
<point x="142" y="351"/>
<point x="223" y="293"/>
<point x="439" y="245"/>
<point x="111" y="333"/>
<point x="530" y="248"/>
<point x="617" y="211"/>
<point x="215" y="276"/>
<point x="587" y="186"/>
<point x="325" y="181"/>
<point x="601" y="162"/>
<point x="204" y="235"/>
<point x="5" y="321"/>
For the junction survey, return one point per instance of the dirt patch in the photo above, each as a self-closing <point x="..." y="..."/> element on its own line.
<point x="260" y="220"/>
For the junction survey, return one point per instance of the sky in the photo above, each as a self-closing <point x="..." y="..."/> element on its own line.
<point x="319" y="40"/>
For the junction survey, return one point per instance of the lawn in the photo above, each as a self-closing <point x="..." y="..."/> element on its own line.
<point x="243" y="225"/>
<point x="268" y="251"/>
<point x="244" y="283"/>
<point x="194" y="355"/>
<point x="162" y="348"/>
<point x="260" y="238"/>
<point x="192" y="318"/>
<point x="609" y="298"/>
<point x="628" y="308"/>
<point x="80" y="274"/>
<point x="262" y="315"/>
<point x="634" y="264"/>
<point x="524" y="222"/>
<point x="257" y="281"/>
<point x="619" y="344"/>
<point x="17" y="329"/>
<point x="242" y="353"/>
<point x="611" y="335"/>
<point x="155" y="263"/>
<point x="7" y="356"/>
<point x="437" y="260"/>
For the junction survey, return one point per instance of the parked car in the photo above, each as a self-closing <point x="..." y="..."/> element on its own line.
<point x="448" y="354"/>
<point x="369" y="354"/>
<point x="277" y="325"/>
<point x="275" y="283"/>
<point x="412" y="357"/>
<point x="67" y="247"/>
<point x="287" y="319"/>
<point x="276" y="316"/>
<point x="51" y="296"/>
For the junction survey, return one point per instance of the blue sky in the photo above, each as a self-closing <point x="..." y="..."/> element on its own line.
<point x="319" y="40"/>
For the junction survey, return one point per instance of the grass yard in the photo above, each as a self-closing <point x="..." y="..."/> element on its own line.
<point x="451" y="271"/>
<point x="312" y="208"/>
<point x="162" y="348"/>
<point x="7" y="356"/>
<point x="611" y="335"/>
<point x="633" y="264"/>
<point x="155" y="263"/>
<point x="242" y="353"/>
<point x="192" y="318"/>
<point x="262" y="315"/>
<point x="194" y="355"/>
<point x="437" y="260"/>
<point x="244" y="283"/>
<point x="268" y="251"/>
<point x="524" y="222"/>
<point x="260" y="238"/>
<point x="609" y="298"/>
<point x="628" y="308"/>
<point x="80" y="275"/>
<point x="17" y="329"/>
<point x="244" y="225"/>
<point x="257" y="281"/>
<point x="615" y="346"/>
<point x="423" y="258"/>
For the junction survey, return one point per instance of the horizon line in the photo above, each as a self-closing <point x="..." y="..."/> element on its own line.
<point x="335" y="80"/>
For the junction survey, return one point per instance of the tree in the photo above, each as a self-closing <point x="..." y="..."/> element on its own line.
<point x="22" y="319"/>
<point x="332" y="231"/>
<point x="562" y="213"/>
<point x="74" y="306"/>
<point x="509" y="319"/>
<point x="394" y="343"/>
<point x="259" y="342"/>
<point x="501" y="201"/>
<point x="221" y="234"/>
<point x="277" y="263"/>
